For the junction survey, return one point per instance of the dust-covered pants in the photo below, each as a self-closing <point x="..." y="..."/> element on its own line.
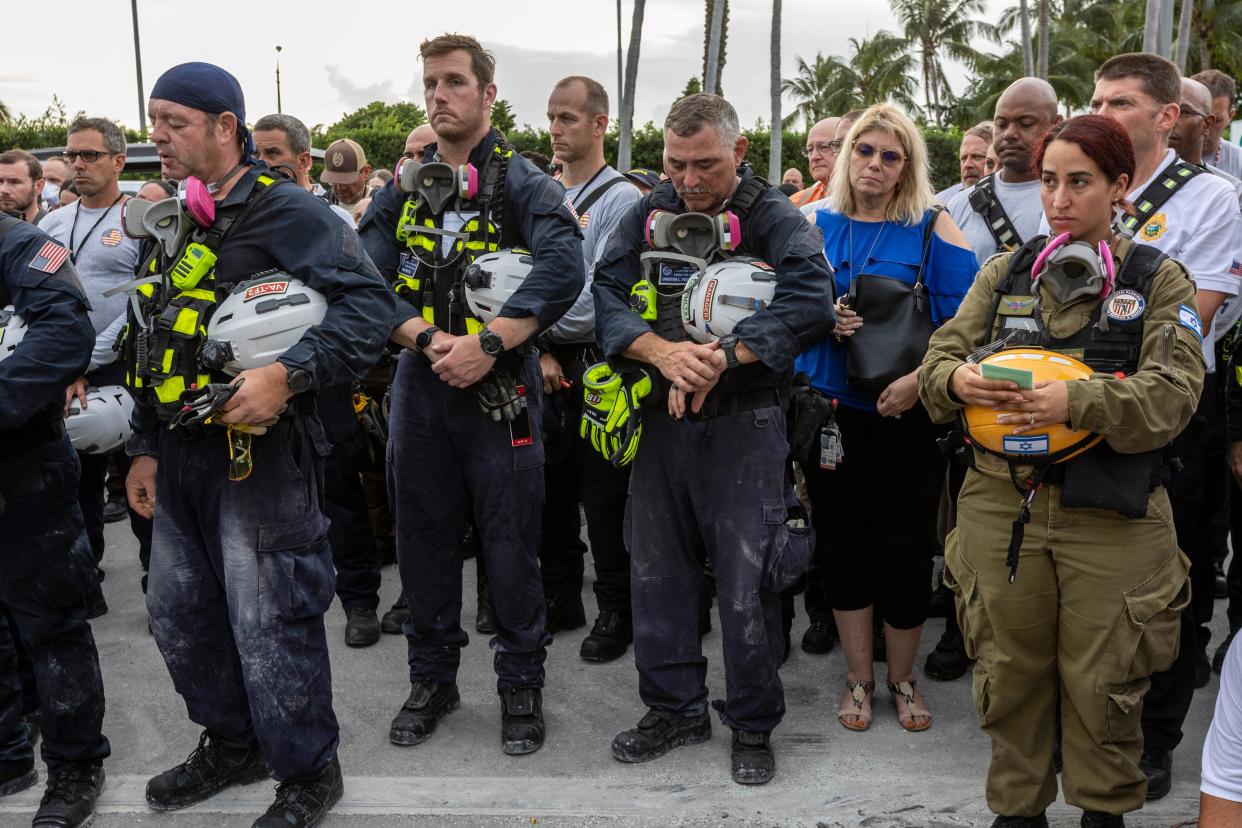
<point x="1093" y="613"/>
<point x="47" y="572"/>
<point x="448" y="460"/>
<point x="241" y="575"/>
<point x="715" y="491"/>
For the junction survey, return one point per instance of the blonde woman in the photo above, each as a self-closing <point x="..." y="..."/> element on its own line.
<point x="875" y="511"/>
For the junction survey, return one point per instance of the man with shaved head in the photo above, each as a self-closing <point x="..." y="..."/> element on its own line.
<point x="1221" y="153"/>
<point x="1194" y="128"/>
<point x="1003" y="209"/>
<point x="821" y="154"/>
<point x="417" y="141"/>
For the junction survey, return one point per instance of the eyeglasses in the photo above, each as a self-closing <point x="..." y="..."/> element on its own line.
<point x="891" y="158"/>
<point x="823" y="148"/>
<point x="89" y="156"/>
<point x="1187" y="112"/>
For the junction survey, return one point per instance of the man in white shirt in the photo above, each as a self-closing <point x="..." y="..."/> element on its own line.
<point x="1003" y="209"/>
<point x="573" y="473"/>
<point x="1217" y="151"/>
<point x="1220" y="789"/>
<point x="1192" y="216"/>
<point x="104" y="257"/>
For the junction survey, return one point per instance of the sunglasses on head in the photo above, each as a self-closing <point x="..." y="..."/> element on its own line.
<point x="890" y="158"/>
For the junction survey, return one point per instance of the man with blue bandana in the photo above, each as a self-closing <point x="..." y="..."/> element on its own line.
<point x="241" y="571"/>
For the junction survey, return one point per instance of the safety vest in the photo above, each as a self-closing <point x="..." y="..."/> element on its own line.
<point x="168" y="317"/>
<point x="429" y="277"/>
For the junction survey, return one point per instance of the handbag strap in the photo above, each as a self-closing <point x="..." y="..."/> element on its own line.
<point x="928" y="232"/>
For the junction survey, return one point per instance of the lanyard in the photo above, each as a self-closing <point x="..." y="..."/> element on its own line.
<point x="590" y="181"/>
<point x="73" y="253"/>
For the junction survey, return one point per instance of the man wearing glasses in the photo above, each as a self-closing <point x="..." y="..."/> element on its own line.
<point x="105" y="257"/>
<point x="821" y="154"/>
<point x="1194" y="124"/>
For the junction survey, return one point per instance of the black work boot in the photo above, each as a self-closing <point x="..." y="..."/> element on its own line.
<point x="304" y="803"/>
<point x="940" y="605"/>
<point x="1157" y="765"/>
<point x="427" y="705"/>
<point x="1040" y="821"/>
<point x="362" y="627"/>
<point x="948" y="662"/>
<point x="69" y="801"/>
<point x="521" y="720"/>
<point x="565" y="613"/>
<point x="657" y="734"/>
<point x="819" y="638"/>
<point x="17" y="776"/>
<point x="1099" y="819"/>
<point x="1203" y="669"/>
<point x="395" y="617"/>
<point x="212" y="766"/>
<point x="754" y="763"/>
<point x="609" y="639"/>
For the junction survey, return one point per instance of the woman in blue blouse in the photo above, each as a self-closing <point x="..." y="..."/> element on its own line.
<point x="875" y="513"/>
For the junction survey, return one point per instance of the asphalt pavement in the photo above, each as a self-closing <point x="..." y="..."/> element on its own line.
<point x="827" y="777"/>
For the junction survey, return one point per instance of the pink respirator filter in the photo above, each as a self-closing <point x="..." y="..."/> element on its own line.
<point x="467" y="181"/>
<point x="1106" y="263"/>
<point x="198" y="202"/>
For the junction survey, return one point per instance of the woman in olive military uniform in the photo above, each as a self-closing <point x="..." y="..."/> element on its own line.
<point x="1100" y="582"/>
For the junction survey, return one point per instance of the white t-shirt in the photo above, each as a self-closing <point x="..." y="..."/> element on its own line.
<point x="1222" y="749"/>
<point x="104" y="258"/>
<point x="948" y="193"/>
<point x="1228" y="157"/>
<point x="1021" y="203"/>
<point x="597" y="223"/>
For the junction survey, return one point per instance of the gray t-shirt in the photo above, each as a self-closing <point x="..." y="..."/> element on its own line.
<point x="1021" y="203"/>
<point x="598" y="222"/>
<point x="104" y="258"/>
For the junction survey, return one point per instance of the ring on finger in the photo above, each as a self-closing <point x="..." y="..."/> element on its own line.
<point x="1032" y="418"/>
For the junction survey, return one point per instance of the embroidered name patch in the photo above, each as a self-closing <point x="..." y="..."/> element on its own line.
<point x="1126" y="305"/>
<point x="1189" y="318"/>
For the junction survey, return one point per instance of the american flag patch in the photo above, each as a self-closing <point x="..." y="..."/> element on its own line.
<point x="49" y="258"/>
<point x="1236" y="269"/>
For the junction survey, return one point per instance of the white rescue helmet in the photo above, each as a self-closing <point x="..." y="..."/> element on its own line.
<point x="725" y="293"/>
<point x="492" y="278"/>
<point x="12" y="330"/>
<point x="103" y="425"/>
<point x="260" y="320"/>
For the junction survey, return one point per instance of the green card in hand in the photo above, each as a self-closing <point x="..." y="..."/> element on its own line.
<point x="1024" y="379"/>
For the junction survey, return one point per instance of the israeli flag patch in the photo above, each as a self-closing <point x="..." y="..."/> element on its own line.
<point x="1189" y="319"/>
<point x="1025" y="445"/>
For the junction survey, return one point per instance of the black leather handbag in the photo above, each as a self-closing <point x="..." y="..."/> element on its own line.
<point x="897" y="324"/>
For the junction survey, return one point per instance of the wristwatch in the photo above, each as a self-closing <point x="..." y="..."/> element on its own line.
<point x="424" y="337"/>
<point x="491" y="343"/>
<point x="728" y="344"/>
<point x="299" y="380"/>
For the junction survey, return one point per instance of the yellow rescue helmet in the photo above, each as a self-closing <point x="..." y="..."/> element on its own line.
<point x="1052" y="444"/>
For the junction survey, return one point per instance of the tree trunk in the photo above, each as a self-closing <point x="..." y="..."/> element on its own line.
<point x="626" y="137"/>
<point x="928" y="81"/>
<point x="1024" y="20"/>
<point x="1151" y="27"/>
<point x="1044" y="14"/>
<point x="711" y="76"/>
<point x="1205" y="49"/>
<point x="1183" y="33"/>
<point x="774" y="89"/>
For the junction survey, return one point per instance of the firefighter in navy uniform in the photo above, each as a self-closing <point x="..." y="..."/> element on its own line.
<point x="466" y="400"/>
<point x="46" y="569"/>
<point x="241" y="571"/>
<point x="710" y="476"/>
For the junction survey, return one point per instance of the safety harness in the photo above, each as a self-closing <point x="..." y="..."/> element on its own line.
<point x="983" y="201"/>
<point x="429" y="277"/>
<point x="1171" y="179"/>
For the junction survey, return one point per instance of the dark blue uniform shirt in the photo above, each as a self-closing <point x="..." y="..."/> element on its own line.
<point x="292" y="230"/>
<point x="535" y="216"/>
<point x="57" y="345"/>
<point x="776" y="232"/>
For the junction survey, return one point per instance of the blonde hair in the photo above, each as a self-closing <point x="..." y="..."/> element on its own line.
<point x="913" y="196"/>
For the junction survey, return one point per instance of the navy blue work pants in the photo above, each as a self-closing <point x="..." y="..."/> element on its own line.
<point x="715" y="491"/>
<point x="47" y="573"/>
<point x="241" y="575"/>
<point x="447" y="460"/>
<point x="350" y="536"/>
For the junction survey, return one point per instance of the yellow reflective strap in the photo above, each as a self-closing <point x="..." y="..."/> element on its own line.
<point x="473" y="326"/>
<point x="198" y="293"/>
<point x="170" y="390"/>
<point x="429" y="314"/>
<point x="166" y="362"/>
<point x="266" y="180"/>
<point x="148" y="289"/>
<point x="187" y="322"/>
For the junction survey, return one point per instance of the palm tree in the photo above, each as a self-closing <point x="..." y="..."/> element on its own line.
<point x="626" y="136"/>
<point x="880" y="69"/>
<point x="713" y="59"/>
<point x="1028" y="63"/>
<point x="811" y="88"/>
<point x="1218" y="26"/>
<point x="1044" y="14"/>
<point x="774" y="89"/>
<point x="1183" y="33"/>
<point x="5" y="114"/>
<point x="940" y="28"/>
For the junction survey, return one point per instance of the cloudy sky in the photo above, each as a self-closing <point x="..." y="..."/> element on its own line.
<point x="337" y="57"/>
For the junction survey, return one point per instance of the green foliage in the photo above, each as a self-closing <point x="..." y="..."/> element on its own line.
<point x="50" y="129"/>
<point x="942" y="156"/>
<point x="693" y="87"/>
<point x="502" y="117"/>
<point x="380" y="128"/>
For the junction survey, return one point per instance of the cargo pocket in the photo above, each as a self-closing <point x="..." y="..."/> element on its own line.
<point x="789" y="541"/>
<point x="973" y="620"/>
<point x="1144" y="640"/>
<point x="296" y="578"/>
